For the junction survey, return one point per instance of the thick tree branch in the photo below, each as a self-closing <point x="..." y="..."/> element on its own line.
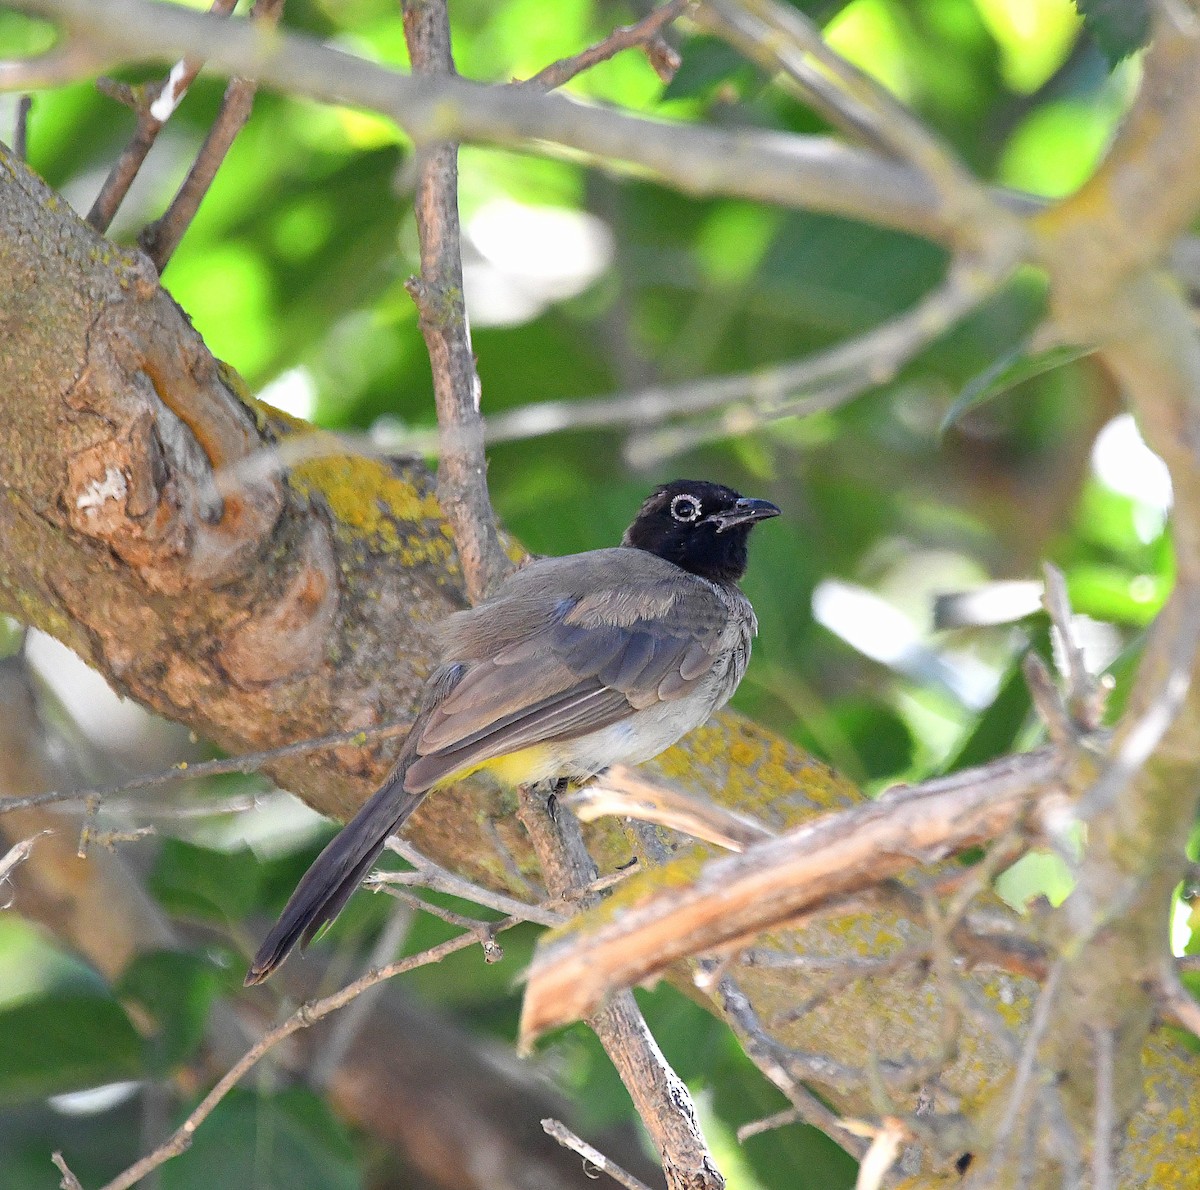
<point x="732" y="901"/>
<point x="810" y="172"/>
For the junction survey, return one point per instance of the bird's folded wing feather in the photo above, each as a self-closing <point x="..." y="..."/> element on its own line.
<point x="570" y="646"/>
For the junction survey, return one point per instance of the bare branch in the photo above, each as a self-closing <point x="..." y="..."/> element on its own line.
<point x="627" y="792"/>
<point x="661" y="1098"/>
<point x="306" y="1015"/>
<point x="1019" y="1093"/>
<point x="811" y="172"/>
<point x="1168" y="667"/>
<point x="646" y="34"/>
<point x="433" y="876"/>
<point x="154" y="107"/>
<point x="798" y="388"/>
<point x="766" y="1053"/>
<point x="438" y="293"/>
<point x="248" y="762"/>
<point x="734" y="899"/>
<point x="1175" y="1002"/>
<point x="831" y="378"/>
<point x="69" y="61"/>
<point x="783" y="38"/>
<point x="16" y="855"/>
<point x="1105" y="1131"/>
<point x="160" y="238"/>
<point x="20" y="142"/>
<point x="565" y="1137"/>
<point x="69" y="1180"/>
<point x="337" y="1045"/>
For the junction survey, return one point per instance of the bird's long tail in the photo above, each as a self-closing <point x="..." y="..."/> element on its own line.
<point x="326" y="887"/>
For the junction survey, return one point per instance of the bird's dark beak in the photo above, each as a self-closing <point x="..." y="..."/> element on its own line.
<point x="745" y="512"/>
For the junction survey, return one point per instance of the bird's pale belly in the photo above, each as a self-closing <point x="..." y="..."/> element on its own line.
<point x="631" y="741"/>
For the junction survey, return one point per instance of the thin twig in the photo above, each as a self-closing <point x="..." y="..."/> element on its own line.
<point x="16" y="855"/>
<point x="20" y="144"/>
<point x="302" y="1018"/>
<point x="797" y="388"/>
<point x="390" y="941"/>
<point x="831" y="378"/>
<point x="1105" y="1126"/>
<point x="438" y="294"/>
<point x="786" y="37"/>
<point x="69" y="1180"/>
<point x="428" y="874"/>
<point x="154" y="106"/>
<point x="646" y="34"/>
<point x="248" y="762"/>
<point x="768" y="1055"/>
<point x="492" y="951"/>
<point x="160" y="238"/>
<point x="1047" y="701"/>
<point x="565" y="1137"/>
<point x="1018" y="1095"/>
<point x="1175" y="1002"/>
<point x="1172" y="651"/>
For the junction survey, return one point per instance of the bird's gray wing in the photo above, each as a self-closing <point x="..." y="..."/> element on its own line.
<point x="568" y="646"/>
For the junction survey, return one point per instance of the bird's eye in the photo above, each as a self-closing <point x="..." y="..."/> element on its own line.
<point x="685" y="509"/>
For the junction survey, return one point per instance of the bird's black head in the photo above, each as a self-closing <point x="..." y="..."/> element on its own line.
<point x="700" y="526"/>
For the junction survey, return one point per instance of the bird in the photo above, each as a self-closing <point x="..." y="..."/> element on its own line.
<point x="574" y="663"/>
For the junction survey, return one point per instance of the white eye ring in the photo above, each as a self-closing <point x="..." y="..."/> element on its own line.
<point x="685" y="509"/>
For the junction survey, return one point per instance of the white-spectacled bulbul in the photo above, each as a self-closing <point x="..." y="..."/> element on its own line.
<point x="573" y="664"/>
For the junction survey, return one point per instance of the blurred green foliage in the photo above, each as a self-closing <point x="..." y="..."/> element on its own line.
<point x="295" y="268"/>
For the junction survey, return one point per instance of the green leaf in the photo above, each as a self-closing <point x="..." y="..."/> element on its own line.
<point x="1112" y="593"/>
<point x="1119" y="26"/>
<point x="881" y="740"/>
<point x="205" y="883"/>
<point x="1007" y="372"/>
<point x="288" y="1141"/>
<point x="65" y="1043"/>
<point x="176" y="988"/>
